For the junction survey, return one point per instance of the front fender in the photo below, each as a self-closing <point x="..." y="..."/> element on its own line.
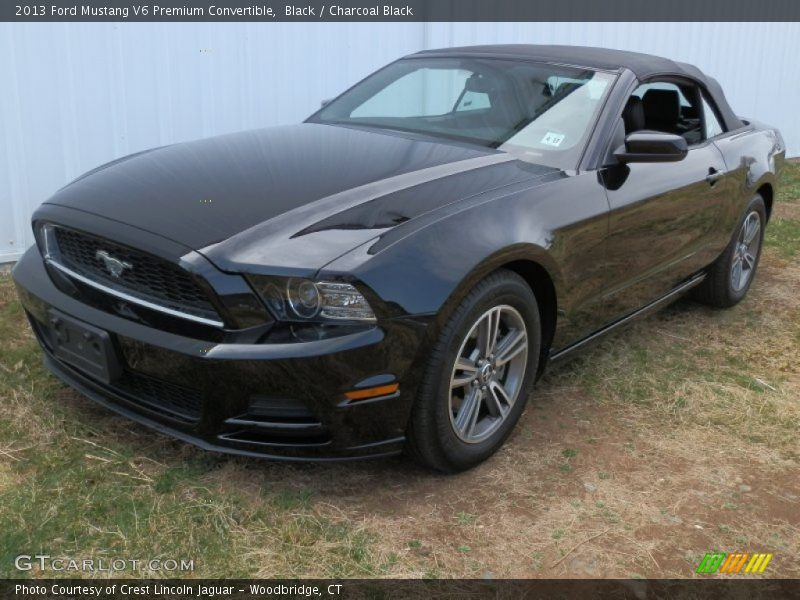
<point x="438" y="264"/>
<point x="560" y="225"/>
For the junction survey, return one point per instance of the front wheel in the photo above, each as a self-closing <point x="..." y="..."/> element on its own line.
<point x="732" y="274"/>
<point x="481" y="370"/>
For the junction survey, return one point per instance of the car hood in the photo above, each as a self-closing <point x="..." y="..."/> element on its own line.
<point x="288" y="196"/>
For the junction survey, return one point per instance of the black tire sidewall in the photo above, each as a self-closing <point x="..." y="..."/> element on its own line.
<point x="756" y="204"/>
<point x="513" y="291"/>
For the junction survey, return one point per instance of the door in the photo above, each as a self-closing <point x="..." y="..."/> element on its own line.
<point x="663" y="215"/>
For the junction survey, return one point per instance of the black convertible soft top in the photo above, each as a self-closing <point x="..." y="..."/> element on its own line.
<point x="644" y="66"/>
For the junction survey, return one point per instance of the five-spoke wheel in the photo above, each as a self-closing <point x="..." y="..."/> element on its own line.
<point x="481" y="370"/>
<point x="488" y="373"/>
<point x="730" y="276"/>
<point x="746" y="251"/>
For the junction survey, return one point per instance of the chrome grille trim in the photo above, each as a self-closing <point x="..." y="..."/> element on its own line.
<point x="128" y="298"/>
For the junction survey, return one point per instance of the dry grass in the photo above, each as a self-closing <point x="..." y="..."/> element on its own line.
<point x="673" y="438"/>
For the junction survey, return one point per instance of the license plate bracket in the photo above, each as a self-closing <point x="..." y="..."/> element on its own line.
<point x="83" y="346"/>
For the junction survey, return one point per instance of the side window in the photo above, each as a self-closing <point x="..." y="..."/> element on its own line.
<point x="671" y="108"/>
<point x="713" y="128"/>
<point x="661" y="85"/>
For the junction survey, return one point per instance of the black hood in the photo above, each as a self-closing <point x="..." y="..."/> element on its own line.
<point x="223" y="195"/>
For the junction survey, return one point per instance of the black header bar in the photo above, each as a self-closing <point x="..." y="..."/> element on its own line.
<point x="401" y="11"/>
<point x="345" y="589"/>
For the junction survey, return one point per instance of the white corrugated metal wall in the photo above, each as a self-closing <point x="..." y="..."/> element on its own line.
<point x="77" y="95"/>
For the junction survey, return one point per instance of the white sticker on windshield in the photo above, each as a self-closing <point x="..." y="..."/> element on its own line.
<point x="553" y="139"/>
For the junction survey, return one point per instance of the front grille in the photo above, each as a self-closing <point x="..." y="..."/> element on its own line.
<point x="173" y="400"/>
<point x="146" y="276"/>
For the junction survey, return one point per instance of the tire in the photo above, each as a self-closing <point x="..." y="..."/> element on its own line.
<point x="722" y="287"/>
<point x="440" y="434"/>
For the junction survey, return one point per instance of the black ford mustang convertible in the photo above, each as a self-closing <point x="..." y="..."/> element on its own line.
<point x="396" y="272"/>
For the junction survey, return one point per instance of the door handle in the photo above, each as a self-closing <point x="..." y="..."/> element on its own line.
<point x="714" y="175"/>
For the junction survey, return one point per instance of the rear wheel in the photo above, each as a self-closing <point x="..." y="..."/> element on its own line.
<point x="732" y="274"/>
<point x="482" y="368"/>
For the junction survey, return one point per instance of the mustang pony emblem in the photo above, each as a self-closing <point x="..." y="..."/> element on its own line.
<point x="114" y="265"/>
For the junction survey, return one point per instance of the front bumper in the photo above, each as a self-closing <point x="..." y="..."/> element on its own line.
<point x="283" y="401"/>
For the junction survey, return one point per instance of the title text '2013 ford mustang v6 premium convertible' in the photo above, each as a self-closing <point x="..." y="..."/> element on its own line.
<point x="396" y="272"/>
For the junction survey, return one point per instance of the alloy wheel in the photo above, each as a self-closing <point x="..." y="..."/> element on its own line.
<point x="488" y="373"/>
<point x="745" y="253"/>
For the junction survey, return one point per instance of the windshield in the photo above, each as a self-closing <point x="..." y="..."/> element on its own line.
<point x="540" y="112"/>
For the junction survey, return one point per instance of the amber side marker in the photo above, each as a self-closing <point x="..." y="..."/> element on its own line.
<point x="373" y="392"/>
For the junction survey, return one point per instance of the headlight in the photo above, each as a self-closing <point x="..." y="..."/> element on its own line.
<point x="304" y="298"/>
<point x="296" y="299"/>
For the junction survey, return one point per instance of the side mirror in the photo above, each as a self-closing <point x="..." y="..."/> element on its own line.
<point x="325" y="102"/>
<point x="652" y="146"/>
